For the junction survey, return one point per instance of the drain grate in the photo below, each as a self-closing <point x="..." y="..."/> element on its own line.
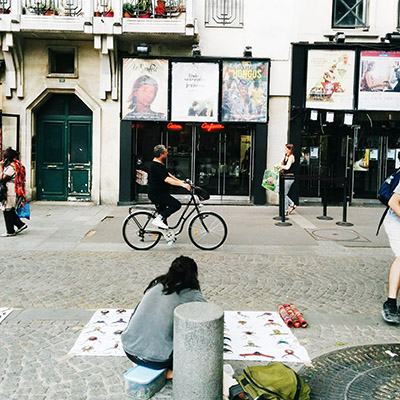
<point x="356" y="373"/>
<point x="344" y="235"/>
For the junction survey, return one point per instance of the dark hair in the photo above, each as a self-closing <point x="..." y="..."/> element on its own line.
<point x="9" y="154"/>
<point x="158" y="150"/>
<point x="182" y="274"/>
<point x="289" y="147"/>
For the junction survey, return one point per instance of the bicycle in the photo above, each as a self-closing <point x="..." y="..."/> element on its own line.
<point x="207" y="230"/>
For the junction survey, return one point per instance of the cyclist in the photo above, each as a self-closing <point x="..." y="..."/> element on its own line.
<point x="158" y="187"/>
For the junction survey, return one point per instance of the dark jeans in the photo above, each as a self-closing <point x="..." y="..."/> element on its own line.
<point x="151" y="364"/>
<point x="166" y="204"/>
<point x="11" y="219"/>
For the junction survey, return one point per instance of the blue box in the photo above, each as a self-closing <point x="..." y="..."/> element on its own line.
<point x="142" y="383"/>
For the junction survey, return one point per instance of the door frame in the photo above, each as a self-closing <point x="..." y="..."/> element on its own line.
<point x="28" y="135"/>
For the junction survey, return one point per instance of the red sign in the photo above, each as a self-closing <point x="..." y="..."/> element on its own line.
<point x="212" y="127"/>
<point x="174" y="127"/>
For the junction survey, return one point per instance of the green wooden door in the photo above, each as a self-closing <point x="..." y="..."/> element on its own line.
<point x="64" y="150"/>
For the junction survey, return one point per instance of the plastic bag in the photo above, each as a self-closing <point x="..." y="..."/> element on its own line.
<point x="271" y="180"/>
<point x="23" y="211"/>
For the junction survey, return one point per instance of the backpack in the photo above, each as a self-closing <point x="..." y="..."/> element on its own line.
<point x="385" y="193"/>
<point x="274" y="381"/>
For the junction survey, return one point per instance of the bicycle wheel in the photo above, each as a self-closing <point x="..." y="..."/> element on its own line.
<point x="138" y="232"/>
<point x="207" y="230"/>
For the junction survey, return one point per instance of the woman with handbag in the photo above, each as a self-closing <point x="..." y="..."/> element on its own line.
<point x="12" y="173"/>
<point x="286" y="167"/>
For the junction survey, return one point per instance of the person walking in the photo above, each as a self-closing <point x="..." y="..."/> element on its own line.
<point x="390" y="312"/>
<point x="158" y="187"/>
<point x="286" y="167"/>
<point x="148" y="338"/>
<point x="12" y="173"/>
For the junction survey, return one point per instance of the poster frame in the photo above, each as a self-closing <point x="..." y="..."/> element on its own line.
<point x="353" y="86"/>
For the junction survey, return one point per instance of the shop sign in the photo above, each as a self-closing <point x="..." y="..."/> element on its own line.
<point x="174" y="127"/>
<point x="212" y="127"/>
<point x="379" y="87"/>
<point x="145" y="89"/>
<point x="330" y="79"/>
<point x="195" y="91"/>
<point x="244" y="91"/>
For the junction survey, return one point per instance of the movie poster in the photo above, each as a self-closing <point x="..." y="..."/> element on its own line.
<point x="330" y="79"/>
<point x="379" y="81"/>
<point x="144" y="89"/>
<point x="195" y="87"/>
<point x="244" y="91"/>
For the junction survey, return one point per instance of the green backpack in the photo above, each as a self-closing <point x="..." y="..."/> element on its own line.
<point x="274" y="381"/>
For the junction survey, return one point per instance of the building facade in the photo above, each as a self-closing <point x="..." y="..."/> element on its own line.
<point x="68" y="72"/>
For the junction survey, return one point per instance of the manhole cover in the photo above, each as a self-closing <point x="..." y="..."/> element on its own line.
<point x="356" y="373"/>
<point x="345" y="235"/>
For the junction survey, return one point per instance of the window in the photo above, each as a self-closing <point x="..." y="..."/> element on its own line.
<point x="63" y="62"/>
<point x="398" y="15"/>
<point x="350" y="13"/>
<point x="224" y="13"/>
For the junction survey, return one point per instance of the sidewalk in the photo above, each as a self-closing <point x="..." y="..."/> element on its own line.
<point x="72" y="260"/>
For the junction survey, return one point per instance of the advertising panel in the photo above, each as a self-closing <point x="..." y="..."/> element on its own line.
<point x="195" y="91"/>
<point x="144" y="89"/>
<point x="244" y="91"/>
<point x="379" y="87"/>
<point x="330" y="79"/>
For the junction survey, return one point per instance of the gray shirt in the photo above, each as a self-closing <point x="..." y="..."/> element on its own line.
<point x="149" y="334"/>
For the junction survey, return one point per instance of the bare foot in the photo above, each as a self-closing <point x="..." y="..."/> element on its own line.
<point x="168" y="374"/>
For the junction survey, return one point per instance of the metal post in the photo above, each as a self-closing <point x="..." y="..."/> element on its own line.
<point x="324" y="215"/>
<point x="344" y="222"/>
<point x="282" y="215"/>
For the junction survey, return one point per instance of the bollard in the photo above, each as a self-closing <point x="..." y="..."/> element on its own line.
<point x="344" y="220"/>
<point x="282" y="215"/>
<point x="198" y="351"/>
<point x="324" y="215"/>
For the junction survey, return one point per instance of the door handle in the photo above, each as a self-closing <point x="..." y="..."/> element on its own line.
<point x="52" y="166"/>
<point x="78" y="166"/>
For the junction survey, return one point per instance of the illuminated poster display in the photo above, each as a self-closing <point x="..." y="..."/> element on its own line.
<point x="144" y="89"/>
<point x="195" y="91"/>
<point x="379" y="87"/>
<point x="245" y="91"/>
<point x="330" y="79"/>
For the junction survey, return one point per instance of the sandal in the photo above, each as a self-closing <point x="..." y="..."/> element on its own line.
<point x="292" y="208"/>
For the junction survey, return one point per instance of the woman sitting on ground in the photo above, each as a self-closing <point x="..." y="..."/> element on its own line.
<point x="148" y="338"/>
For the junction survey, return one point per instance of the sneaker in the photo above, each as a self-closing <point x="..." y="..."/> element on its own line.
<point x="158" y="221"/>
<point x="7" y="234"/>
<point x="390" y="314"/>
<point x="19" y="230"/>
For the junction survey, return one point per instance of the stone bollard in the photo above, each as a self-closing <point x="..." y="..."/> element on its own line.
<point x="198" y="351"/>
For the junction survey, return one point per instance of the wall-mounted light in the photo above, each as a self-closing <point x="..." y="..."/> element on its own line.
<point x="393" y="37"/>
<point x="339" y="37"/>
<point x="248" y="51"/>
<point x="196" y="52"/>
<point x="143" y="49"/>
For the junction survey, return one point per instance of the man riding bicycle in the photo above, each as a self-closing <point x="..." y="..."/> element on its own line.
<point x="158" y="187"/>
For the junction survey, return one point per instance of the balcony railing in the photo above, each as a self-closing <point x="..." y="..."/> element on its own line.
<point x="97" y="8"/>
<point x="88" y="16"/>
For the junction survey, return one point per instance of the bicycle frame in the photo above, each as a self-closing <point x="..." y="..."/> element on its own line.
<point x="183" y="218"/>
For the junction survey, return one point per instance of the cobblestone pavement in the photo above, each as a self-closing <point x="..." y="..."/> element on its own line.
<point x="71" y="262"/>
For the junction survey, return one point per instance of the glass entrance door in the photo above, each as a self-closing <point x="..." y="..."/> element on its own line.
<point x="223" y="161"/>
<point x="374" y="159"/>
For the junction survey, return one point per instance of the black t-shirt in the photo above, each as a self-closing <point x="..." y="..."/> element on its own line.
<point x="157" y="175"/>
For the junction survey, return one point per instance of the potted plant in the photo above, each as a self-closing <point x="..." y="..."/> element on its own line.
<point x="108" y="13"/>
<point x="144" y="8"/>
<point x="38" y="8"/>
<point x="128" y="10"/>
<point x="161" y="10"/>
